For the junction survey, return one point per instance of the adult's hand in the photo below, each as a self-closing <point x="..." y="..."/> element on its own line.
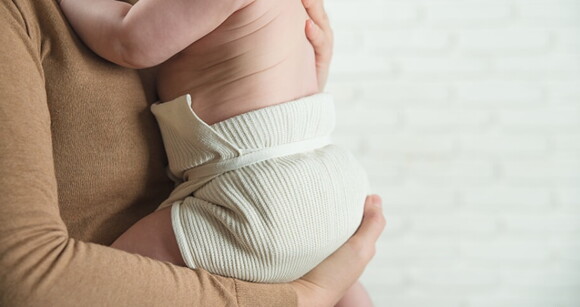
<point x="327" y="283"/>
<point x="320" y="36"/>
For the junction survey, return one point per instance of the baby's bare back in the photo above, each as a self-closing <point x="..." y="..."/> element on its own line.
<point x="258" y="57"/>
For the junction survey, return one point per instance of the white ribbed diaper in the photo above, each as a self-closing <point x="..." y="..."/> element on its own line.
<point x="262" y="196"/>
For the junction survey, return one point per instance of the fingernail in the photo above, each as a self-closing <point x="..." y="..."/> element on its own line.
<point x="377" y="201"/>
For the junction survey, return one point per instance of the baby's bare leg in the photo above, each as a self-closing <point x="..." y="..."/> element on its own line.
<point x="355" y="296"/>
<point x="153" y="237"/>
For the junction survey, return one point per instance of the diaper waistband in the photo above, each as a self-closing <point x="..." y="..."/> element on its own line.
<point x="198" y="152"/>
<point x="190" y="142"/>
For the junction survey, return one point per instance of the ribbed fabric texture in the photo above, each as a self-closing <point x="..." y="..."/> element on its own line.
<point x="271" y="221"/>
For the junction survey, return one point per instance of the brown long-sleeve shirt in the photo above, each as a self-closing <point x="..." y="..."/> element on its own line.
<point x="81" y="160"/>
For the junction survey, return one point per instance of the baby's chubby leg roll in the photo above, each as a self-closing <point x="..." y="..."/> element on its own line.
<point x="152" y="237"/>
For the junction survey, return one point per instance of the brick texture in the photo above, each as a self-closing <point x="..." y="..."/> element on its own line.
<point x="466" y="114"/>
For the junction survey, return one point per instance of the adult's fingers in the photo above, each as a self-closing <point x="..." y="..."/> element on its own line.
<point x="316" y="11"/>
<point x="327" y="283"/>
<point x="320" y="35"/>
<point x="318" y="27"/>
<point x="315" y="34"/>
<point x="364" y="240"/>
<point x="373" y="213"/>
<point x="322" y="45"/>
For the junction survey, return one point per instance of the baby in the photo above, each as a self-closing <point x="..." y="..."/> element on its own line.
<point x="262" y="194"/>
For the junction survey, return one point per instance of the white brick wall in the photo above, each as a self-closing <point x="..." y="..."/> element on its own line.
<point x="466" y="114"/>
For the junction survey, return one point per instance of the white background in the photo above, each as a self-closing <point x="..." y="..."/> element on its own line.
<point x="466" y="115"/>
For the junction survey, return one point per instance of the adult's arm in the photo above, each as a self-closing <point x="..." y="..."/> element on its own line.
<point x="40" y="265"/>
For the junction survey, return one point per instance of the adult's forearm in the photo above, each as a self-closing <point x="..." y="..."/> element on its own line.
<point x="40" y="265"/>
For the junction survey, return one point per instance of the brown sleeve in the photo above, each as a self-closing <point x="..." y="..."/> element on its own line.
<point x="40" y="265"/>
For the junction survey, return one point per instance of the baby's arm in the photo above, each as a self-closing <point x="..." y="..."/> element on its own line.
<point x="149" y="32"/>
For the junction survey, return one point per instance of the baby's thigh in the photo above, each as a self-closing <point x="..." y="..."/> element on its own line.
<point x="153" y="237"/>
